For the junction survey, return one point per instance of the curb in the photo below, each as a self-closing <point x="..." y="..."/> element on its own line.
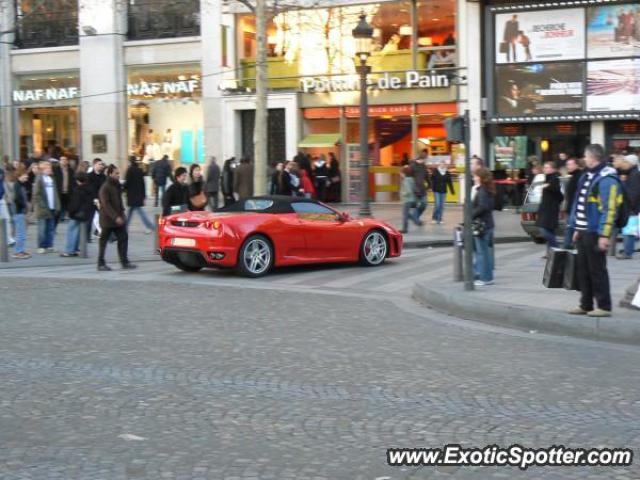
<point x="471" y="306"/>
<point x="449" y="243"/>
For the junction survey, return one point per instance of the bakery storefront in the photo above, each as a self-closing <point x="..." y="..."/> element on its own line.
<point x="412" y="79"/>
<point x="165" y="113"/>
<point x="47" y="114"/>
<point x="562" y="77"/>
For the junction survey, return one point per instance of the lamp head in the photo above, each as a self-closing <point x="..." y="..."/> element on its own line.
<point x="363" y="34"/>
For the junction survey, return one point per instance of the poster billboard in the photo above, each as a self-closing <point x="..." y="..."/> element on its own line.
<point x="510" y="152"/>
<point x="537" y="89"/>
<point x="613" y="31"/>
<point x="613" y="85"/>
<point x="540" y="36"/>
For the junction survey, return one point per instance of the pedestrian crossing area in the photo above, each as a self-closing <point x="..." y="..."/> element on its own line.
<point x="394" y="278"/>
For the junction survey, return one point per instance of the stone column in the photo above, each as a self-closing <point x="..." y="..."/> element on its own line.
<point x="468" y="33"/>
<point x="598" y="133"/>
<point x="8" y="134"/>
<point x="212" y="65"/>
<point x="103" y="102"/>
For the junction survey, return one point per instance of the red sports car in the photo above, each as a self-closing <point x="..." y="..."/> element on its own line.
<point x="258" y="233"/>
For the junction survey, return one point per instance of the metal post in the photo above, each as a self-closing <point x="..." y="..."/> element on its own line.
<point x="156" y="237"/>
<point x="82" y="245"/>
<point x="468" y="234"/>
<point x="4" y="241"/>
<point x="458" y="244"/>
<point x="363" y="69"/>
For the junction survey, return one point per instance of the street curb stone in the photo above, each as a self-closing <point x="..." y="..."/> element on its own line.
<point x="471" y="306"/>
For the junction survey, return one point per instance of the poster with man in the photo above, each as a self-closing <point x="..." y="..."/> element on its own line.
<point x="613" y="31"/>
<point x="539" y="36"/>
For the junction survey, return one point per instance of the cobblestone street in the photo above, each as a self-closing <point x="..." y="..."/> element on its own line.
<point x="140" y="379"/>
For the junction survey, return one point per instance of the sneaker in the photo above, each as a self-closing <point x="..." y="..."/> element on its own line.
<point x="577" y="311"/>
<point x="12" y="243"/>
<point x="42" y="251"/>
<point x="434" y="222"/>
<point x="627" y="304"/>
<point x="67" y="255"/>
<point x="104" y="268"/>
<point x="482" y="283"/>
<point x="599" y="313"/>
<point x="129" y="266"/>
<point x="21" y="256"/>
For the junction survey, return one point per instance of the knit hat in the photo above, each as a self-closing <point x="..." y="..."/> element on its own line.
<point x="632" y="159"/>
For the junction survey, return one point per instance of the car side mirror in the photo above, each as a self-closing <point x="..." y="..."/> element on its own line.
<point x="344" y="217"/>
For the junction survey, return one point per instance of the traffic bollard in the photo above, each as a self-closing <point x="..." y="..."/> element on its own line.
<point x="82" y="244"/>
<point x="613" y="242"/>
<point x="458" y="245"/>
<point x="4" y="240"/>
<point x="156" y="237"/>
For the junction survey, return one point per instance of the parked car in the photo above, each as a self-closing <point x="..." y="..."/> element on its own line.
<point x="529" y="211"/>
<point x="259" y="233"/>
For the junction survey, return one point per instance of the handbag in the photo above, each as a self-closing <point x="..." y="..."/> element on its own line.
<point x="478" y="227"/>
<point x="553" y="276"/>
<point x="504" y="47"/>
<point x="199" y="200"/>
<point x="632" y="227"/>
<point x="570" y="276"/>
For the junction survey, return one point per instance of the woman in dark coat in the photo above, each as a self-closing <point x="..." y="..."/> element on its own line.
<point x="196" y="187"/>
<point x="136" y="194"/>
<point x="482" y="202"/>
<point x="335" y="178"/>
<point x="549" y="208"/>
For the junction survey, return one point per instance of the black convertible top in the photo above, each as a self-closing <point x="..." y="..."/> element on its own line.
<point x="266" y="204"/>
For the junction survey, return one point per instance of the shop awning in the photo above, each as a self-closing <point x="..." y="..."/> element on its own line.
<point x="320" y="140"/>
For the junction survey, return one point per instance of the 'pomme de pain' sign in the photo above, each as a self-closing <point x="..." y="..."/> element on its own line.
<point x="412" y="79"/>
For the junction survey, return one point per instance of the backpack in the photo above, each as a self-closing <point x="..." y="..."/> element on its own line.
<point x="623" y="211"/>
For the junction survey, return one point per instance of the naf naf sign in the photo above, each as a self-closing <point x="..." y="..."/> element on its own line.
<point x="412" y="79"/>
<point x="137" y="89"/>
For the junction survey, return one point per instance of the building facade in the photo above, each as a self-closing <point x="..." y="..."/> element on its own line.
<point x="106" y="78"/>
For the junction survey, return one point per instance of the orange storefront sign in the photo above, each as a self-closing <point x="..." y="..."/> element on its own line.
<point x="382" y="110"/>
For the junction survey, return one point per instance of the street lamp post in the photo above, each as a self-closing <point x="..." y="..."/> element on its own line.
<point x="363" y="34"/>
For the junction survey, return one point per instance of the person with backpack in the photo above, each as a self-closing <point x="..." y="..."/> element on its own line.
<point x="599" y="206"/>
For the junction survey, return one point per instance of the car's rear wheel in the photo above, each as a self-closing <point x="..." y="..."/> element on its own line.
<point x="256" y="257"/>
<point x="374" y="249"/>
<point x="187" y="268"/>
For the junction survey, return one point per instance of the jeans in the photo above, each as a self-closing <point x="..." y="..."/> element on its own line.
<point x="20" y="222"/>
<point x="4" y="214"/>
<point x="549" y="236"/>
<point x="72" y="243"/>
<point x="568" y="237"/>
<point x="629" y="244"/>
<point x="123" y="244"/>
<point x="483" y="246"/>
<point x="159" y="193"/>
<point x="147" y="223"/>
<point x="409" y="211"/>
<point x="212" y="200"/>
<point x="439" y="206"/>
<point x="421" y="205"/>
<point x="46" y="231"/>
<point x="592" y="272"/>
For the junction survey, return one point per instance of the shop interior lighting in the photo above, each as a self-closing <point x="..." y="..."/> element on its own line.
<point x="405" y="30"/>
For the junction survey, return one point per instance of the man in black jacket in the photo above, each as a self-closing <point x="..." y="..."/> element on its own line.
<point x="113" y="220"/>
<point x="65" y="182"/>
<point x="212" y="185"/>
<point x="160" y="172"/>
<point x="136" y="194"/>
<point x="176" y="198"/>
<point x="421" y="177"/>
<point x="574" y="170"/>
<point x="96" y="178"/>
<point x="630" y="176"/>
<point x="81" y="210"/>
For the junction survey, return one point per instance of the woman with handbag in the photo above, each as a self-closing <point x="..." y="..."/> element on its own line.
<point x="197" y="196"/>
<point x="408" y="197"/>
<point x="482" y="217"/>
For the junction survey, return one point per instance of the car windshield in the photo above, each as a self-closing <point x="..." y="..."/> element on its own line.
<point x="256" y="205"/>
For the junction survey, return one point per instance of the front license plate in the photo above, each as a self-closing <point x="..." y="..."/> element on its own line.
<point x="184" y="242"/>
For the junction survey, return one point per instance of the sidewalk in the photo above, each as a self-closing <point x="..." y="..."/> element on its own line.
<point x="141" y="246"/>
<point x="519" y="300"/>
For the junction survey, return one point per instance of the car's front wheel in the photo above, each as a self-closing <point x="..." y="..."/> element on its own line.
<point x="374" y="249"/>
<point x="256" y="257"/>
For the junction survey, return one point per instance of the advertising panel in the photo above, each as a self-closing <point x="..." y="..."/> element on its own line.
<point x="540" y="36"/>
<point x="539" y="89"/>
<point x="613" y="31"/>
<point x="613" y="85"/>
<point x="510" y="152"/>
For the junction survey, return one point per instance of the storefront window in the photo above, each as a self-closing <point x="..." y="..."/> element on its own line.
<point x="165" y="114"/>
<point x="163" y="19"/>
<point x="46" y="23"/>
<point x="320" y="41"/>
<point x="48" y="119"/>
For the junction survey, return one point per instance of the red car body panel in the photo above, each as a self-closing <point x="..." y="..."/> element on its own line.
<point x="297" y="238"/>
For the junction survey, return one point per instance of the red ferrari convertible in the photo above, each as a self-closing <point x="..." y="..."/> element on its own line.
<point x="258" y="233"/>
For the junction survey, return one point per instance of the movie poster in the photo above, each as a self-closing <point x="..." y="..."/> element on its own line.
<point x="613" y="31"/>
<point x="540" y="36"/>
<point x="613" y="85"/>
<point x="539" y="89"/>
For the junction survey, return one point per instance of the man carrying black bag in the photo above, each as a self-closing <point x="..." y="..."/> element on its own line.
<point x="593" y="215"/>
